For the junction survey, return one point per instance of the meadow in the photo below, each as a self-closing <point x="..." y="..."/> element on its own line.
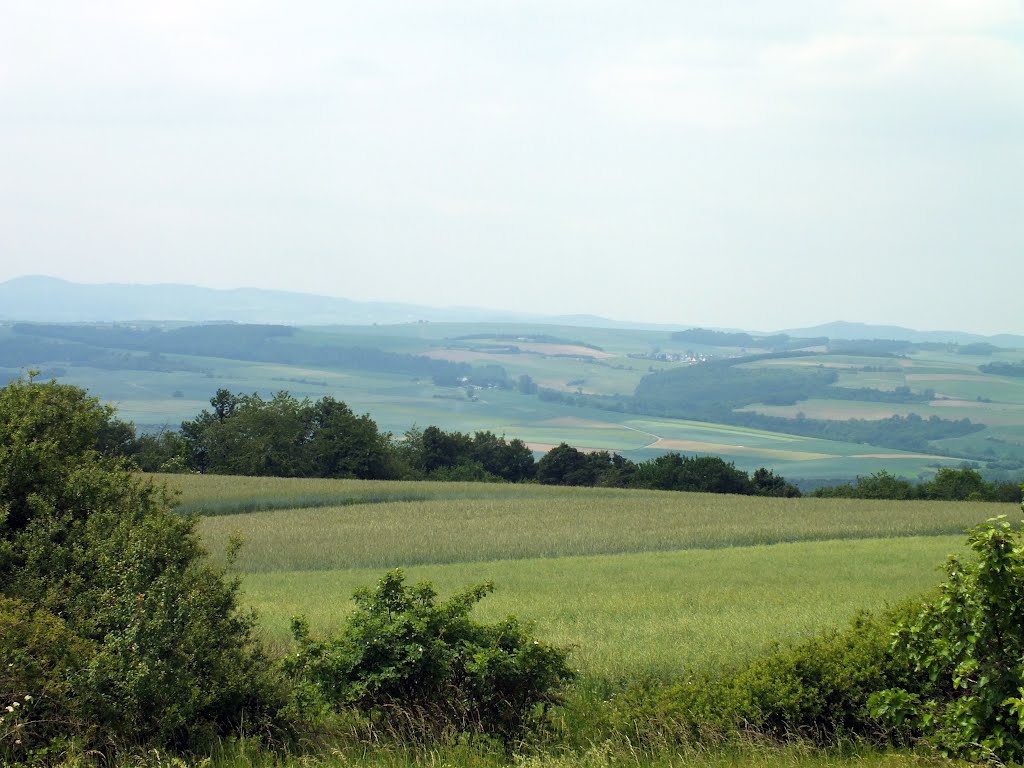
<point x="638" y="583"/>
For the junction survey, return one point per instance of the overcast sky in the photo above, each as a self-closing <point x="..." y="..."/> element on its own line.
<point x="731" y="163"/>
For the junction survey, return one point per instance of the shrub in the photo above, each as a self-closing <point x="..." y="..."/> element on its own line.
<point x="39" y="662"/>
<point x="966" y="648"/>
<point x="816" y="690"/>
<point x="86" y="544"/>
<point x="403" y="652"/>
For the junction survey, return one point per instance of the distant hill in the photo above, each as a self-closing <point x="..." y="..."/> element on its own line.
<point x="850" y="331"/>
<point x="52" y="300"/>
<point x="48" y="299"/>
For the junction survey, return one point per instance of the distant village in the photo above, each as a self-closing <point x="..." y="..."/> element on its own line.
<point x="689" y="356"/>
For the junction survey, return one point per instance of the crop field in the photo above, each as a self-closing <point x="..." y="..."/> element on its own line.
<point x="996" y="414"/>
<point x="637" y="582"/>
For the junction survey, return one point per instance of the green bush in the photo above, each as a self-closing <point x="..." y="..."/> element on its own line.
<point x="816" y="690"/>
<point x="40" y="659"/>
<point x="172" y="660"/>
<point x="966" y="648"/>
<point x="405" y="657"/>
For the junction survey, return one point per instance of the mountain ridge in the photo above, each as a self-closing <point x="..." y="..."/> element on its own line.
<point x="39" y="298"/>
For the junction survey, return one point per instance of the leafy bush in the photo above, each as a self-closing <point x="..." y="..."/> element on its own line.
<point x="816" y="690"/>
<point x="101" y="559"/>
<point x="966" y="648"/>
<point x="39" y="663"/>
<point x="401" y="652"/>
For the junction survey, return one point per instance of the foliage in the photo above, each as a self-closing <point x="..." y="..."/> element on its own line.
<point x="767" y="483"/>
<point x="707" y="474"/>
<point x="171" y="658"/>
<point x="948" y="485"/>
<point x="565" y="465"/>
<point x="722" y="385"/>
<point x="285" y="437"/>
<point x="40" y="663"/>
<point x="1003" y="369"/>
<point x="880" y="485"/>
<point x="401" y="650"/>
<point x="262" y="343"/>
<point x="966" y="647"/>
<point x="817" y="689"/>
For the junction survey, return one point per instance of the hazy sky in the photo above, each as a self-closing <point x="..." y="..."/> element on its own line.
<point x="747" y="164"/>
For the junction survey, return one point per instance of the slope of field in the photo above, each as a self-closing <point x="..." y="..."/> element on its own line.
<point x="638" y="583"/>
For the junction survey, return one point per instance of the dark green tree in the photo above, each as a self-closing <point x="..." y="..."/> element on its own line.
<point x="767" y="483"/>
<point x="345" y="445"/>
<point x="708" y="474"/>
<point x="509" y="460"/>
<point x="445" y="450"/>
<point x="957" y="485"/>
<point x="169" y="658"/>
<point x="565" y="465"/>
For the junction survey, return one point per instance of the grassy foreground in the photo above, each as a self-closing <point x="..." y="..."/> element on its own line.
<point x="639" y="583"/>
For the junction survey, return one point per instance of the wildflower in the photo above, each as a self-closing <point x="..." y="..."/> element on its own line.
<point x="10" y="708"/>
<point x="28" y="697"/>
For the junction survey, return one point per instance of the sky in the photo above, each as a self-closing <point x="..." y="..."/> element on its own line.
<point x="746" y="164"/>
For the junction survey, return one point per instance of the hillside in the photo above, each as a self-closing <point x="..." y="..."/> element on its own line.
<point x="832" y="410"/>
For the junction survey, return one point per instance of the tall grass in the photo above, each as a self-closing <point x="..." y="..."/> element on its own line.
<point x="489" y="523"/>
<point x="660" y="614"/>
<point x="242" y="754"/>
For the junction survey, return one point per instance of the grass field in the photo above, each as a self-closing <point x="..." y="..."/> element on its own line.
<point x="653" y="613"/>
<point x="636" y="582"/>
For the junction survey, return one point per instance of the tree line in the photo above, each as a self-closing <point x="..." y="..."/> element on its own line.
<point x="964" y="484"/>
<point x="284" y="436"/>
<point x="131" y="348"/>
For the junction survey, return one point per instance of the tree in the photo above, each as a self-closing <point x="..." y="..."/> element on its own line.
<point x="767" y="483"/>
<point x="966" y="646"/>
<point x="345" y="445"/>
<point x="957" y="485"/>
<point x="512" y="461"/>
<point x="169" y="657"/>
<point x="565" y="465"/>
<point x="707" y="474"/>
<point x="445" y="450"/>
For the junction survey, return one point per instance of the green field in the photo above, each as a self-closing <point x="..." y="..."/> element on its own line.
<point x="636" y="582"/>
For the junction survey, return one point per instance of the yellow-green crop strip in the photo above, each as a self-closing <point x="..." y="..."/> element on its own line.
<point x="637" y="582"/>
<point x="656" y="613"/>
<point x="471" y="522"/>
